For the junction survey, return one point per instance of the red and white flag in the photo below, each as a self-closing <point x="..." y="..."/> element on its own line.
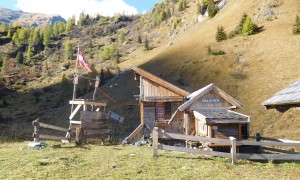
<point x="82" y="61"/>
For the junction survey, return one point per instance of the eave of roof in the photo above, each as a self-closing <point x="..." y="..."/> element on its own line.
<point x="288" y="96"/>
<point x="161" y="82"/>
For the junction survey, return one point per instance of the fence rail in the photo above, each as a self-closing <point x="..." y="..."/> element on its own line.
<point x="37" y="136"/>
<point x="290" y="156"/>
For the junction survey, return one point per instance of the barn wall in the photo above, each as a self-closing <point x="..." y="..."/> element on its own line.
<point x="151" y="89"/>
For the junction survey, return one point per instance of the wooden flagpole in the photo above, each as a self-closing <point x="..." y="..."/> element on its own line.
<point x="75" y="81"/>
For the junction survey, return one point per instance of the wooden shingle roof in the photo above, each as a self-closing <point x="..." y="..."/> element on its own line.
<point x="161" y="82"/>
<point x="288" y="96"/>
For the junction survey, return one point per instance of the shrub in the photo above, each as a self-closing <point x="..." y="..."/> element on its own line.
<point x="221" y="35"/>
<point x="68" y="50"/>
<point x="121" y="37"/>
<point x="176" y="21"/>
<point x="139" y="39"/>
<point x="4" y="63"/>
<point x="215" y="52"/>
<point x="212" y="9"/>
<point x="108" y="52"/>
<point x="240" y="27"/>
<point x="248" y="27"/>
<point x="296" y="28"/>
<point x="19" y="58"/>
<point x="147" y="45"/>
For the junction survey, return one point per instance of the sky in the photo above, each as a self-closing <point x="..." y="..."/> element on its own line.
<point x="67" y="8"/>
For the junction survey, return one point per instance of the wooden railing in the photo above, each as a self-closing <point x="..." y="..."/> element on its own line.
<point x="37" y="136"/>
<point x="290" y="156"/>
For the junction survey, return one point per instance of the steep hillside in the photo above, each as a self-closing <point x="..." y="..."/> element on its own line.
<point x="29" y="19"/>
<point x="252" y="69"/>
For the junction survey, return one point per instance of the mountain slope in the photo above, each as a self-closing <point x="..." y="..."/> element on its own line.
<point x="28" y="19"/>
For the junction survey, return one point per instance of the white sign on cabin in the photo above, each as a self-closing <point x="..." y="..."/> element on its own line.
<point x="212" y="100"/>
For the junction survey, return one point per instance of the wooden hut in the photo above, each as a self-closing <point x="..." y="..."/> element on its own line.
<point x="158" y="101"/>
<point x="211" y="110"/>
<point x="285" y="99"/>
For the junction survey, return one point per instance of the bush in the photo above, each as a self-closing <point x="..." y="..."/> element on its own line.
<point x="212" y="9"/>
<point x="221" y="35"/>
<point x="240" y="27"/>
<point x="147" y="45"/>
<point x="215" y="52"/>
<point x="176" y="21"/>
<point x="248" y="27"/>
<point x="108" y="52"/>
<point x="296" y="28"/>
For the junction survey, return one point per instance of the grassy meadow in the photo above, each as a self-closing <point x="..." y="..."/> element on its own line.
<point x="67" y="161"/>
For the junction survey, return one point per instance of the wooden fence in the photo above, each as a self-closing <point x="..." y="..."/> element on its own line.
<point x="37" y="136"/>
<point x="232" y="142"/>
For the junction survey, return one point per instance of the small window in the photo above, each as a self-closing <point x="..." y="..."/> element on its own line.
<point x="168" y="110"/>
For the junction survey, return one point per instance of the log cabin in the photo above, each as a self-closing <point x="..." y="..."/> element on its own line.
<point x="209" y="112"/>
<point x="158" y="101"/>
<point x="285" y="99"/>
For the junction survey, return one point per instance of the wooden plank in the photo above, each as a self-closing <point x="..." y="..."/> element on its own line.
<point x="142" y="113"/>
<point x="44" y="136"/>
<point x="134" y="133"/>
<point x="155" y="142"/>
<point x="75" y="122"/>
<point x="194" y="151"/>
<point x="36" y="133"/>
<point x="48" y="126"/>
<point x="265" y="143"/>
<point x="164" y="98"/>
<point x="95" y="133"/>
<point x="95" y="116"/>
<point x="98" y="125"/>
<point x="233" y="150"/>
<point x="193" y="138"/>
<point x="75" y="111"/>
<point x="88" y="102"/>
<point x="281" y="157"/>
<point x="280" y="150"/>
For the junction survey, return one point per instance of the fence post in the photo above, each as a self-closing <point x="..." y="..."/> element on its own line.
<point x="36" y="133"/>
<point x="233" y="149"/>
<point x="155" y="142"/>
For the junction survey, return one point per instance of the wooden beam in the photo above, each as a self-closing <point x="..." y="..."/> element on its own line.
<point x="142" y="113"/>
<point x="48" y="126"/>
<point x="89" y="102"/>
<point x="75" y="111"/>
<point x="44" y="136"/>
<point x="233" y="150"/>
<point x="280" y="157"/>
<point x="194" y="151"/>
<point x="155" y="142"/>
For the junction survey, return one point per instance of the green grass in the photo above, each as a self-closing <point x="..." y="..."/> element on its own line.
<point x="58" y="161"/>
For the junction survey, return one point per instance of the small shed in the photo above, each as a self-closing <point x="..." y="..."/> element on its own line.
<point x="211" y="110"/>
<point x="158" y="100"/>
<point x="286" y="98"/>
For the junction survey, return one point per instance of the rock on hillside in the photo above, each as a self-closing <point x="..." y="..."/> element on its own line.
<point x="28" y="19"/>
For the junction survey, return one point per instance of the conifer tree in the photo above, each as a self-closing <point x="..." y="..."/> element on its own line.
<point x="139" y="39"/>
<point x="29" y="52"/>
<point x="221" y="35"/>
<point x="70" y="24"/>
<point x="296" y="28"/>
<point x="147" y="45"/>
<point x="240" y="27"/>
<point x="68" y="50"/>
<point x="19" y="58"/>
<point x="248" y="27"/>
<point x="9" y="34"/>
<point x="4" y="64"/>
<point x="121" y="37"/>
<point x="3" y="27"/>
<point x="46" y="35"/>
